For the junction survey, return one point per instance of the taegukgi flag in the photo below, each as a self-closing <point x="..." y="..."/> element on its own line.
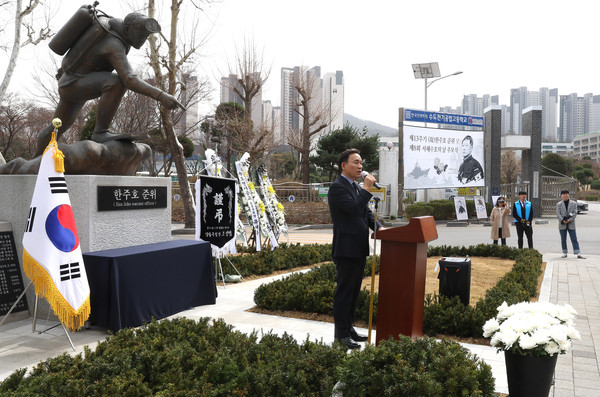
<point x="51" y="252"/>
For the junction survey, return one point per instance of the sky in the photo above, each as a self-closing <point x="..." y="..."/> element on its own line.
<point x="497" y="46"/>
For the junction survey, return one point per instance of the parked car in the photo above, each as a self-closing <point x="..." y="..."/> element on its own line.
<point x="581" y="206"/>
<point x="450" y="193"/>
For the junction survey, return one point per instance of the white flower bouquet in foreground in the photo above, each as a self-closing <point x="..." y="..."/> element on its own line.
<point x="533" y="328"/>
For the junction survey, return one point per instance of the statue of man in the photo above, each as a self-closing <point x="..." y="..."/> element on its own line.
<point x="87" y="70"/>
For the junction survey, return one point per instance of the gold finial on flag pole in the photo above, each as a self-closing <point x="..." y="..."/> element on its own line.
<point x="59" y="157"/>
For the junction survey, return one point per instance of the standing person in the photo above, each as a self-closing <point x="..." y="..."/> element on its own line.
<point x="350" y="247"/>
<point x="523" y="214"/>
<point x="499" y="219"/>
<point x="566" y="211"/>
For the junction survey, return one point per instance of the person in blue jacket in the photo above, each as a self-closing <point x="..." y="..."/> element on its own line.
<point x="352" y="218"/>
<point x="522" y="211"/>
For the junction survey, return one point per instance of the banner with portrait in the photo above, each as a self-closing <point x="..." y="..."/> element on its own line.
<point x="440" y="158"/>
<point x="480" y="207"/>
<point x="460" y="205"/>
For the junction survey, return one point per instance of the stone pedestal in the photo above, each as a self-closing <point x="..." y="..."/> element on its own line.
<point x="97" y="230"/>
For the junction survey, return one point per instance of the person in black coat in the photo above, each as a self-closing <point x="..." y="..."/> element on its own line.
<point x="348" y="205"/>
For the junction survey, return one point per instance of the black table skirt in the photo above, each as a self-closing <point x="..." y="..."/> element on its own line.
<point x="131" y="286"/>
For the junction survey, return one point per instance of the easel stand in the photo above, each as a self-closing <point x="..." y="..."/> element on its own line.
<point x="35" y="316"/>
<point x="220" y="269"/>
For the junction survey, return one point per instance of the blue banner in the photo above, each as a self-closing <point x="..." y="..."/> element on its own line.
<point x="442" y="118"/>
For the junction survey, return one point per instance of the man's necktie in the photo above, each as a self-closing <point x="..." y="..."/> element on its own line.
<point x="356" y="187"/>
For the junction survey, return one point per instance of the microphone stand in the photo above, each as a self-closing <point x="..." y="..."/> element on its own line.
<point x="373" y="272"/>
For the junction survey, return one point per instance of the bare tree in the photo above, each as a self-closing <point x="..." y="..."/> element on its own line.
<point x="246" y="79"/>
<point x="167" y="63"/>
<point x="314" y="117"/>
<point x="20" y="122"/>
<point x="509" y="167"/>
<point x="13" y="113"/>
<point x="21" y="21"/>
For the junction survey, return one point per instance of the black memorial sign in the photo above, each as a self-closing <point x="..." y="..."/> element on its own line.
<point x="11" y="281"/>
<point x="112" y="198"/>
<point x="218" y="204"/>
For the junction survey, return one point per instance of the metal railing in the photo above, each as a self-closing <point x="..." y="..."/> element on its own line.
<point x="551" y="188"/>
<point x="299" y="191"/>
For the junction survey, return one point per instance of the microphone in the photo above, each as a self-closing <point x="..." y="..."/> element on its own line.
<point x="364" y="174"/>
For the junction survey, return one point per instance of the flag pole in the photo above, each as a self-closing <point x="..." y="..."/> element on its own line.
<point x="373" y="273"/>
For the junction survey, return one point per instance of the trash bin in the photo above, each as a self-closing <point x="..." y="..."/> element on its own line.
<point x="455" y="278"/>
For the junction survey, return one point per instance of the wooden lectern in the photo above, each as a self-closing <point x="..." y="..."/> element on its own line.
<point x="402" y="278"/>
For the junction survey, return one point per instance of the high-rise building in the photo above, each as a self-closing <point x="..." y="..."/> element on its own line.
<point x="333" y="98"/>
<point x="228" y="93"/>
<point x="325" y="97"/>
<point x="229" y="85"/>
<point x="188" y="123"/>
<point x="290" y="119"/>
<point x="271" y="121"/>
<point x="595" y="115"/>
<point x="572" y="117"/>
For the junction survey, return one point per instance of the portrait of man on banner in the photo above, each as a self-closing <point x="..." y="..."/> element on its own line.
<point x="440" y="158"/>
<point x="216" y="211"/>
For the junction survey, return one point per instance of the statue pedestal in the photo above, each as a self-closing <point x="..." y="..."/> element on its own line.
<point x="97" y="230"/>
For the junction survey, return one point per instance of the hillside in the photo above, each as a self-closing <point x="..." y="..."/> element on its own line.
<point x="372" y="127"/>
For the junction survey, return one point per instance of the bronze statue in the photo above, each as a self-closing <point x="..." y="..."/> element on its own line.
<point x="97" y="45"/>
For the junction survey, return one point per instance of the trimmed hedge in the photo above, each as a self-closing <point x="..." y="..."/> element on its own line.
<point x="419" y="367"/>
<point x="183" y="357"/>
<point x="284" y="257"/>
<point x="442" y="209"/>
<point x="313" y="292"/>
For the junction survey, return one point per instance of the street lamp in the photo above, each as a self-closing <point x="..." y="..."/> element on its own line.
<point x="427" y="71"/>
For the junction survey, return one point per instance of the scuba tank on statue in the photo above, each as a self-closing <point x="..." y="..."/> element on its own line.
<point x="66" y="37"/>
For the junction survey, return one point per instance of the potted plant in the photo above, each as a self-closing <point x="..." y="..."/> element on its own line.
<point x="532" y="335"/>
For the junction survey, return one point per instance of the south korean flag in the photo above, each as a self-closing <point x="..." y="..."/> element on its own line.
<point x="51" y="252"/>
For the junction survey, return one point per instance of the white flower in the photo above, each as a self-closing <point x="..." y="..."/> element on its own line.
<point x="552" y="348"/>
<point x="527" y="342"/>
<point x="490" y="327"/>
<point x="539" y="328"/>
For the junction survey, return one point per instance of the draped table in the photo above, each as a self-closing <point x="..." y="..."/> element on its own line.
<point x="130" y="286"/>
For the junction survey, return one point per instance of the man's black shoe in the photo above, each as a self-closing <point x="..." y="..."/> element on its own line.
<point x="348" y="342"/>
<point x="358" y="337"/>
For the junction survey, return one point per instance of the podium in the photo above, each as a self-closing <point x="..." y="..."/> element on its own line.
<point x="403" y="264"/>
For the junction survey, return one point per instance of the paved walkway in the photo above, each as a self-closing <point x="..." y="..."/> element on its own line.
<point x="567" y="280"/>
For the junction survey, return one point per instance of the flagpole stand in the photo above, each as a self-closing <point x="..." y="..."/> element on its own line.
<point x="220" y="270"/>
<point x="16" y="302"/>
<point x="220" y="267"/>
<point x="49" y="328"/>
<point x="35" y="307"/>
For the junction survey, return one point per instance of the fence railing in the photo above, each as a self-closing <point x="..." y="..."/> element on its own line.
<point x="551" y="188"/>
<point x="300" y="191"/>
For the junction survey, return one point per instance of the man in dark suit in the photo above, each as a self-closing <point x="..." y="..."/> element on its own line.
<point x="523" y="214"/>
<point x="351" y="222"/>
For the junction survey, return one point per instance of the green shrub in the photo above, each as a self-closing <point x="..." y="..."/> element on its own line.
<point x="442" y="209"/>
<point x="284" y="257"/>
<point x="591" y="198"/>
<point x="313" y="292"/>
<point x="419" y="367"/>
<point x="185" y="358"/>
<point x="419" y="209"/>
<point x="595" y="184"/>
